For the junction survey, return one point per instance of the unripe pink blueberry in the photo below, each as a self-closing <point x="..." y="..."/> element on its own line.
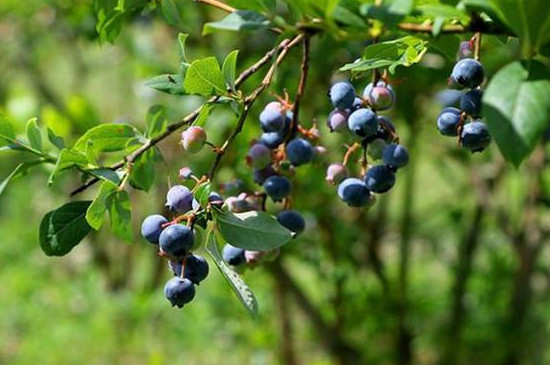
<point x="336" y="173"/>
<point x="254" y="258"/>
<point x="193" y="139"/>
<point x="259" y="156"/>
<point x="381" y="98"/>
<point x="338" y="121"/>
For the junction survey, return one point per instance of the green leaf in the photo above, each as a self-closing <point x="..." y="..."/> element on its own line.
<point x="399" y="52"/>
<point x="33" y="134"/>
<point x="255" y="230"/>
<point x="128" y="5"/>
<point x="156" y="120"/>
<point x="21" y="169"/>
<point x="229" y="69"/>
<point x="96" y="210"/>
<point x="239" y="20"/>
<point x="203" y="76"/>
<point x="202" y="193"/>
<point x="63" y="228"/>
<point x="68" y="159"/>
<point x="348" y="17"/>
<point x="106" y="138"/>
<point x="109" y="19"/>
<point x="105" y="174"/>
<point x="401" y="7"/>
<point x="236" y="283"/>
<point x="182" y="38"/>
<point x="6" y="130"/>
<point x="120" y="214"/>
<point x="55" y="140"/>
<point x="517" y="108"/>
<point x="169" y="12"/>
<point x="142" y="175"/>
<point x="204" y="114"/>
<point x="167" y="83"/>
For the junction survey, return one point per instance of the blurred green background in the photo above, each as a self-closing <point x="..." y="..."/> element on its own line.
<point x="448" y="268"/>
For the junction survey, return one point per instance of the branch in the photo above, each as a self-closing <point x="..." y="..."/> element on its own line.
<point x="474" y="27"/>
<point x="218" y="4"/>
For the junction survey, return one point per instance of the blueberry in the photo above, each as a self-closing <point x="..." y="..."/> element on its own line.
<point x="449" y="97"/>
<point x="193" y="139"/>
<point x="448" y="121"/>
<point x="239" y="205"/>
<point x="357" y="103"/>
<point x="292" y="220"/>
<point x="259" y="156"/>
<point x="395" y="155"/>
<point x="465" y="50"/>
<point x="233" y="255"/>
<point x="196" y="268"/>
<point x="337" y="120"/>
<point x="272" y="120"/>
<point x="179" y="291"/>
<point x="272" y="139"/>
<point x="342" y="95"/>
<point x="354" y="192"/>
<point x="274" y="105"/>
<point x="277" y="187"/>
<point x="152" y="227"/>
<point x="475" y="136"/>
<point x="379" y="179"/>
<point x="363" y="122"/>
<point x="185" y="173"/>
<point x="386" y="129"/>
<point x="175" y="266"/>
<point x="254" y="258"/>
<point x="215" y="199"/>
<point x="259" y="176"/>
<point x="470" y="102"/>
<point x="381" y="83"/>
<point x="336" y="173"/>
<point x="467" y="73"/>
<point x="176" y="240"/>
<point x="381" y="97"/>
<point x="179" y="199"/>
<point x="299" y="151"/>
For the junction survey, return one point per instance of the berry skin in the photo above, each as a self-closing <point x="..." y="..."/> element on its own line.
<point x="337" y="121"/>
<point x="467" y="73"/>
<point x="395" y="155"/>
<point x="475" y="136"/>
<point x="381" y="97"/>
<point x="354" y="192"/>
<point x="193" y="139"/>
<point x="215" y="199"/>
<point x="342" y="95"/>
<point x="299" y="151"/>
<point x="185" y="173"/>
<point x="292" y="220"/>
<point x="277" y="187"/>
<point x="176" y="240"/>
<point x="379" y="179"/>
<point x="272" y="139"/>
<point x="336" y="173"/>
<point x="179" y="199"/>
<point x="465" y="50"/>
<point x="363" y="122"/>
<point x="448" y="121"/>
<point x="259" y="176"/>
<point x="254" y="258"/>
<point x="151" y="227"/>
<point x="196" y="268"/>
<point x="357" y="103"/>
<point x="380" y="83"/>
<point x="179" y="291"/>
<point x="259" y="156"/>
<point x="470" y="102"/>
<point x="233" y="255"/>
<point x="274" y="105"/>
<point x="272" y="120"/>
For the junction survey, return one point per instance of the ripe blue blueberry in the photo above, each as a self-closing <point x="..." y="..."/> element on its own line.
<point x="274" y="105"/>
<point x="272" y="120"/>
<point x="363" y="122"/>
<point x="152" y="227"/>
<point x="467" y="73"/>
<point x="336" y="173"/>
<point x="277" y="187"/>
<point x="342" y="95"/>
<point x="176" y="240"/>
<point x="259" y="156"/>
<point x="179" y="291"/>
<point x="354" y="192"/>
<point x="357" y="103"/>
<point x="179" y="199"/>
<point x="448" y="121"/>
<point x="259" y="176"/>
<point x="233" y="255"/>
<point x="196" y="268"/>
<point x="470" y="102"/>
<point x="299" y="151"/>
<point x="379" y="179"/>
<point x="395" y="155"/>
<point x="272" y="139"/>
<point x="292" y="220"/>
<point x="337" y="120"/>
<point x="215" y="199"/>
<point x="475" y="136"/>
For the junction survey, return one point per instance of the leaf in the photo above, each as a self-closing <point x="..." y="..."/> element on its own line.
<point x="127" y="5"/>
<point x="184" y="61"/>
<point x="167" y="83"/>
<point x="66" y="160"/>
<point x="33" y="134"/>
<point x="156" y="120"/>
<point x="120" y="214"/>
<point x="142" y="175"/>
<point x="6" y="130"/>
<point x="105" y="174"/>
<point x="106" y="138"/>
<point x="63" y="228"/>
<point x="229" y="69"/>
<point x="239" y="20"/>
<point x="55" y="140"/>
<point x="21" y="169"/>
<point x="239" y="287"/>
<point x="401" y="7"/>
<point x="96" y="210"/>
<point x="202" y="193"/>
<point x="399" y="52"/>
<point x="109" y="19"/>
<point x="348" y="17"/>
<point x="204" y="114"/>
<point x="255" y="230"/>
<point x="169" y="12"/>
<point x="517" y="108"/>
<point x="203" y="76"/>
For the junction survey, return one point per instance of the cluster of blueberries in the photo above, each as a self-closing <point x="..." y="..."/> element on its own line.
<point x="357" y="117"/>
<point x="465" y="121"/>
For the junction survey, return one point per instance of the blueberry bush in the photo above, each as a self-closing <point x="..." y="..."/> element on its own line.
<point x="272" y="144"/>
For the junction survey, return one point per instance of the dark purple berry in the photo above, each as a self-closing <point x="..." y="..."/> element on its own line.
<point x="179" y="291"/>
<point x="395" y="155"/>
<point x="354" y="192"/>
<point x="299" y="151"/>
<point x="259" y="156"/>
<point x="292" y="220"/>
<point x="467" y="73"/>
<point x="272" y="120"/>
<point x="448" y="121"/>
<point x="342" y="95"/>
<point x="363" y="122"/>
<point x="233" y="255"/>
<point x="179" y="199"/>
<point x="470" y="102"/>
<point x="176" y="240"/>
<point x="475" y="136"/>
<point x="196" y="268"/>
<point x="277" y="187"/>
<point x="379" y="179"/>
<point x="151" y="227"/>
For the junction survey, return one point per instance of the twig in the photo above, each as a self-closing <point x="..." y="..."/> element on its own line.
<point x="474" y="26"/>
<point x="477" y="46"/>
<point x="218" y="4"/>
<point x="304" y="67"/>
